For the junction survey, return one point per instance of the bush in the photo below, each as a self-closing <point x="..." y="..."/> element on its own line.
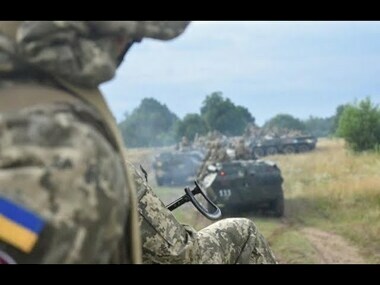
<point x="359" y="125"/>
<point x="284" y="122"/>
<point x="222" y="115"/>
<point x="150" y="124"/>
<point x="191" y="125"/>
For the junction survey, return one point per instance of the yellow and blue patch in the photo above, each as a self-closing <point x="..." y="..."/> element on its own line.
<point x="19" y="226"/>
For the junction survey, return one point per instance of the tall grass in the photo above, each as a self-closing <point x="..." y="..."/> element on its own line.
<point x="337" y="190"/>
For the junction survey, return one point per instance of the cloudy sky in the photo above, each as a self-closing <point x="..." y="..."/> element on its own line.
<point x="298" y="68"/>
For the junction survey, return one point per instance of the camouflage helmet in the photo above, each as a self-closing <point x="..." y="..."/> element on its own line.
<point x="84" y="53"/>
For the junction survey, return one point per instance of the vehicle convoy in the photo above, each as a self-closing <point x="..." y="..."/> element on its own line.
<point x="274" y="145"/>
<point x="177" y="168"/>
<point x="245" y="185"/>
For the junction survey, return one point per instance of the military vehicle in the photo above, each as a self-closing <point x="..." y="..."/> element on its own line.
<point x="177" y="168"/>
<point x="273" y="145"/>
<point x="245" y="185"/>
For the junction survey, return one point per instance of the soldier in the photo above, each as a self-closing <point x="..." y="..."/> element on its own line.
<point x="66" y="195"/>
<point x="241" y="151"/>
<point x="184" y="144"/>
<point x="216" y="153"/>
<point x="60" y="166"/>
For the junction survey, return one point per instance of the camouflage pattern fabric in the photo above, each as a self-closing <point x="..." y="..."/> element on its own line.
<point x="55" y="159"/>
<point x="165" y="240"/>
<point x="85" y="53"/>
<point x="184" y="144"/>
<point x="241" y="151"/>
<point x="55" y="162"/>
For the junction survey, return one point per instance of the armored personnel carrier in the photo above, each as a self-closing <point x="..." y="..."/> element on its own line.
<point x="274" y="145"/>
<point x="245" y="185"/>
<point x="177" y="168"/>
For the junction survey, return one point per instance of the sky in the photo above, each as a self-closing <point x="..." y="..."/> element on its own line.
<point x="271" y="67"/>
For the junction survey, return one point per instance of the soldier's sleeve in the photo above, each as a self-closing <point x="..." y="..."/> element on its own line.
<point x="59" y="168"/>
<point x="164" y="239"/>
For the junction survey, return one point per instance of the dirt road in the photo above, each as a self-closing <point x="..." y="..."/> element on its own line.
<point x="297" y="244"/>
<point x="332" y="248"/>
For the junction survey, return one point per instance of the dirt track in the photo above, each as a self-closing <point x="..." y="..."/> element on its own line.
<point x="331" y="248"/>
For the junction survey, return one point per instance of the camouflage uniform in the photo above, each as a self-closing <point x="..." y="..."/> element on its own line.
<point x="241" y="151"/>
<point x="165" y="240"/>
<point x="50" y="155"/>
<point x="184" y="145"/>
<point x="60" y="162"/>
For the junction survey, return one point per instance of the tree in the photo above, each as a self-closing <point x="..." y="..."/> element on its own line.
<point x="336" y="118"/>
<point x="319" y="127"/>
<point x="191" y="125"/>
<point x="150" y="124"/>
<point x="284" y="122"/>
<point x="359" y="125"/>
<point x="222" y="115"/>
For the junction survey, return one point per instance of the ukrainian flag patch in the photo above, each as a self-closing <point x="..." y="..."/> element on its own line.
<point x="19" y="226"/>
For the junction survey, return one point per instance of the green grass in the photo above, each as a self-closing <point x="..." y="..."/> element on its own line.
<point x="291" y="247"/>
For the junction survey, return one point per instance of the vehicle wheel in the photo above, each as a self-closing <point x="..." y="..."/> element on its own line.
<point x="278" y="206"/>
<point x="289" y="149"/>
<point x="271" y="150"/>
<point x="303" y="148"/>
<point x="259" y="152"/>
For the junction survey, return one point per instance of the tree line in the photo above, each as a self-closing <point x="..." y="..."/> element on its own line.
<point x="152" y="124"/>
